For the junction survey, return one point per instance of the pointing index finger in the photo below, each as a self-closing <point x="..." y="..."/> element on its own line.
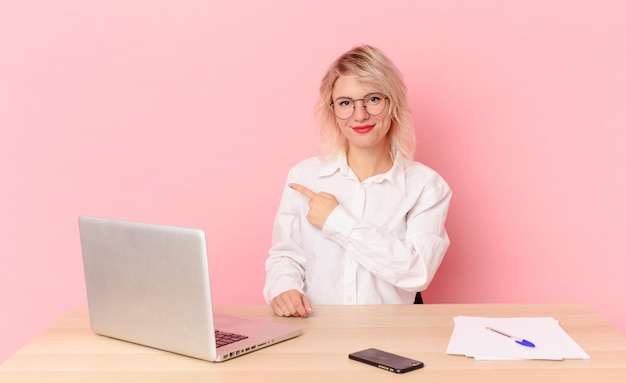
<point x="302" y="189"/>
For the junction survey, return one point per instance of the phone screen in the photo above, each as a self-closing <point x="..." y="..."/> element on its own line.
<point x="386" y="360"/>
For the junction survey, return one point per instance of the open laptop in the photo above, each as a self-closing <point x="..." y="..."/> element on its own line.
<point x="149" y="284"/>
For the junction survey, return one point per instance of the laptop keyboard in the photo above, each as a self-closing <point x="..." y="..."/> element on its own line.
<point x="224" y="338"/>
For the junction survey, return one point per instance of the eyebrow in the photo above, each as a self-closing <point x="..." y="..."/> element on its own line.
<point x="359" y="98"/>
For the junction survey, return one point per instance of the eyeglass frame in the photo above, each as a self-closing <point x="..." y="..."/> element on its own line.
<point x="332" y="105"/>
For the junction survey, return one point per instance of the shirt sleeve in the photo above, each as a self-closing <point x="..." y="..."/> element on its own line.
<point x="286" y="262"/>
<point x="409" y="262"/>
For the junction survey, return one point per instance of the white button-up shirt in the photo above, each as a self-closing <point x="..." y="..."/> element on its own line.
<point x="383" y="243"/>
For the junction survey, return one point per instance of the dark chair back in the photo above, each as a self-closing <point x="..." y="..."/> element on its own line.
<point x="418" y="299"/>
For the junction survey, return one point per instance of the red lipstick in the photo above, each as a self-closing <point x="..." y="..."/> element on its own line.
<point x="363" y="129"/>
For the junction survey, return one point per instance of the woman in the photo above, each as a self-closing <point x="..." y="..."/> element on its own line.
<point x="362" y="223"/>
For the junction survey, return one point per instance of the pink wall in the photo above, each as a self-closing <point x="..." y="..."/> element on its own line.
<point x="190" y="113"/>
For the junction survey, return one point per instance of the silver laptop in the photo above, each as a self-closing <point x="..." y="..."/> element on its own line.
<point x="149" y="284"/>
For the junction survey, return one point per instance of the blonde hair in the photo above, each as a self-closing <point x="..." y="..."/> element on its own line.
<point x="370" y="66"/>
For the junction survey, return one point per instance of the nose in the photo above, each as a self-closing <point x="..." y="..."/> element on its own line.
<point x="360" y="113"/>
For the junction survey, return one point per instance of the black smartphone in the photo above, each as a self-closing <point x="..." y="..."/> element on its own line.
<point x="386" y="360"/>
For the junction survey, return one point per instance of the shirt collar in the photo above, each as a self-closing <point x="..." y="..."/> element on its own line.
<point x="334" y="164"/>
<point x="395" y="176"/>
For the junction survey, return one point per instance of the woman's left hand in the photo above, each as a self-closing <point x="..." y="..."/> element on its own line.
<point x="320" y="205"/>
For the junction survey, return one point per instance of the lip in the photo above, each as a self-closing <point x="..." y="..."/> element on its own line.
<point x="363" y="129"/>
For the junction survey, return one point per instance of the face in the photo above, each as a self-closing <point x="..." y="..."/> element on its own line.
<point x="362" y="130"/>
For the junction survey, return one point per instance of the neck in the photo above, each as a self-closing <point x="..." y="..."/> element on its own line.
<point x="366" y="163"/>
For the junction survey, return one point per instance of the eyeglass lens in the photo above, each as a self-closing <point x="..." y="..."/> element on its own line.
<point x="374" y="104"/>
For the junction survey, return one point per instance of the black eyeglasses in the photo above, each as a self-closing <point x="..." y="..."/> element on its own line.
<point x="374" y="104"/>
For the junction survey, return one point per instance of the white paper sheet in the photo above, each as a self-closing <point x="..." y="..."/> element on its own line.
<point x="471" y="338"/>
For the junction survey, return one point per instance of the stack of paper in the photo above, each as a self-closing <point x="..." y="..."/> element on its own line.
<point x="471" y="337"/>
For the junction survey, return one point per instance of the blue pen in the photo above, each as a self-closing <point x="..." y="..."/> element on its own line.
<point x="521" y="341"/>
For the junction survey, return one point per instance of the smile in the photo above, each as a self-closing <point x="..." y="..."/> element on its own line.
<point x="363" y="129"/>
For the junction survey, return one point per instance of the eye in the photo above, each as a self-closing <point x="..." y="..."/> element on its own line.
<point x="344" y="102"/>
<point x="374" y="98"/>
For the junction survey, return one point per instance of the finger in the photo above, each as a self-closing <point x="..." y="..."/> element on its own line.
<point x="276" y="308"/>
<point x="327" y="195"/>
<point x="286" y="304"/>
<point x="300" y="307"/>
<point x="292" y="310"/>
<point x="302" y="189"/>
<point x="307" y="305"/>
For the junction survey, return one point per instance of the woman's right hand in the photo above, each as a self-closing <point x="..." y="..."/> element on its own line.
<point x="292" y="303"/>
